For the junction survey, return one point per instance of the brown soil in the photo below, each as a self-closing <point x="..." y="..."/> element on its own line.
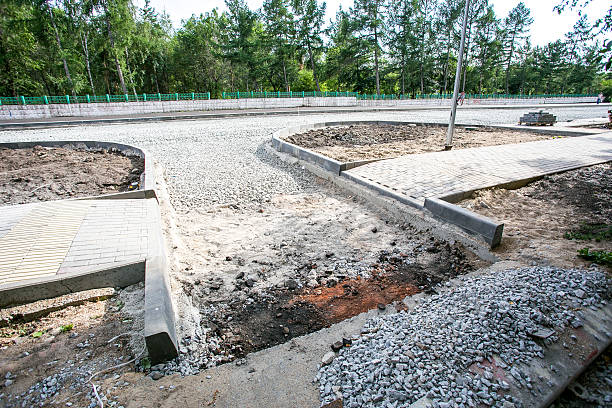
<point x="33" y="350"/>
<point x="364" y="142"/>
<point x="355" y="296"/>
<point x="538" y="216"/>
<point x="48" y="173"/>
<point x="281" y="314"/>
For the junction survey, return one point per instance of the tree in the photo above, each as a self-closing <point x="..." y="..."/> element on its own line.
<point x="309" y="18"/>
<point x="59" y="45"/>
<point x="487" y="49"/>
<point x="602" y="26"/>
<point x="280" y="29"/>
<point x="80" y="14"/>
<point x="242" y="37"/>
<point x="118" y="21"/>
<point x="448" y="16"/>
<point x="425" y="6"/>
<point x="516" y="25"/>
<point x="17" y="50"/>
<point x="348" y="59"/>
<point x="197" y="58"/>
<point x="402" y="40"/>
<point x="368" y="20"/>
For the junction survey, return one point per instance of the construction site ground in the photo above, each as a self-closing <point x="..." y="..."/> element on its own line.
<point x="252" y="270"/>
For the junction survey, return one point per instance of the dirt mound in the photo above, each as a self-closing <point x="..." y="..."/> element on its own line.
<point x="51" y="173"/>
<point x="362" y="142"/>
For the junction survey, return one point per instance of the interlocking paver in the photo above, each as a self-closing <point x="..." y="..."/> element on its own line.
<point x="438" y="174"/>
<point x="39" y="242"/>
<point x="55" y="238"/>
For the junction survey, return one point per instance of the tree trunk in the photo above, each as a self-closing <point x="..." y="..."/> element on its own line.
<point x="376" y="60"/>
<point x="7" y="65"/>
<point x="61" y="50"/>
<point x="403" y="72"/>
<point x="127" y="65"/>
<point x="422" y="56"/>
<point x="106" y="81"/>
<point x="112" y="44"/>
<point x="509" y="62"/>
<point x="155" y="77"/>
<point x="312" y="65"/>
<point x="45" y="82"/>
<point x="483" y="60"/>
<point x="285" y="76"/>
<point x="448" y="50"/>
<point x="87" y="64"/>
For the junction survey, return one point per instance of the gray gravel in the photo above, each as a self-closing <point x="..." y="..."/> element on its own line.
<point x="403" y="357"/>
<point x="222" y="162"/>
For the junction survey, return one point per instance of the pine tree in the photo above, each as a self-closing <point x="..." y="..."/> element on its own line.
<point x="516" y="25"/>
<point x="309" y="18"/>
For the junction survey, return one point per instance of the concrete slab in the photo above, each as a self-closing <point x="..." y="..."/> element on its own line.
<point x="159" y="327"/>
<point x="368" y="106"/>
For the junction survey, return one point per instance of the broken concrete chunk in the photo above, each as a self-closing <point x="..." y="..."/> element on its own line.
<point x="542" y="333"/>
<point x="328" y="358"/>
<point x="579" y="293"/>
<point x="337" y="345"/>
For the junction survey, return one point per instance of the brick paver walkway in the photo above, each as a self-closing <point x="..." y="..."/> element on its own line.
<point x="43" y="240"/>
<point x="443" y="173"/>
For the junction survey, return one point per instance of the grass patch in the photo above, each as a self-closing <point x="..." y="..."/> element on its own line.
<point x="589" y="232"/>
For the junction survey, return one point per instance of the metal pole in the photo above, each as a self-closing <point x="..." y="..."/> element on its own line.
<point x="451" y="123"/>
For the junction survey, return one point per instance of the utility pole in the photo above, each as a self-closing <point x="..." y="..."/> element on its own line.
<point x="451" y="123"/>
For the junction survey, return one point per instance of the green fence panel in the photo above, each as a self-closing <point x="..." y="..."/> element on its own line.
<point x="67" y="99"/>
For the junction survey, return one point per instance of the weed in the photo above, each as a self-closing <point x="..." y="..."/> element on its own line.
<point x="118" y="306"/>
<point x="66" y="328"/>
<point x="599" y="257"/>
<point x="37" y="334"/>
<point x="588" y="232"/>
<point x="145" y="363"/>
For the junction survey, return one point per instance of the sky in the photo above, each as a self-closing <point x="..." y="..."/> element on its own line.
<point x="548" y="24"/>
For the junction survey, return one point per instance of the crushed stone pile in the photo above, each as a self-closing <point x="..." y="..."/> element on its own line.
<point x="403" y="357"/>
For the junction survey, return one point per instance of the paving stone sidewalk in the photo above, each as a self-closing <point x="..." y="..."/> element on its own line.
<point x="43" y="241"/>
<point x="441" y="174"/>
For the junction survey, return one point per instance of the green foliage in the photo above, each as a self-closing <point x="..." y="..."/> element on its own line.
<point x="145" y="363"/>
<point x="97" y="47"/>
<point x="305" y="81"/>
<point x="598" y="257"/>
<point x="588" y="232"/>
<point x="66" y="327"/>
<point x="37" y="334"/>
<point x="606" y="88"/>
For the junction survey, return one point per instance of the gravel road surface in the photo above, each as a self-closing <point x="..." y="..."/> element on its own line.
<point x="222" y="161"/>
